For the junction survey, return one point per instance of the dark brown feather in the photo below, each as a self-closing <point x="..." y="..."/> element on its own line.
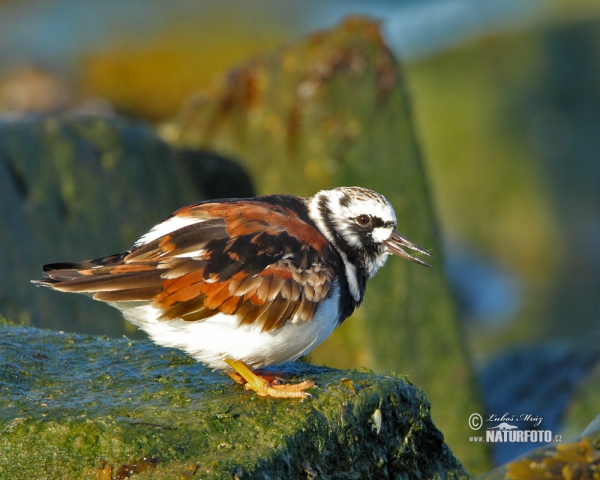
<point x="128" y="295"/>
<point x="109" y="282"/>
<point x="273" y="317"/>
<point x="185" y="308"/>
<point x="199" y="315"/>
<point x="249" y="312"/>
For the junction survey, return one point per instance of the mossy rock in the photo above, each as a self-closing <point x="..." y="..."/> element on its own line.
<point x="74" y="188"/>
<point x="79" y="406"/>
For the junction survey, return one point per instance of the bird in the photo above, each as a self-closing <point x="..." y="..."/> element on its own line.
<point x="243" y="284"/>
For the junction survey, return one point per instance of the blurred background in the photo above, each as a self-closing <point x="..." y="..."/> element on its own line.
<point x="506" y="100"/>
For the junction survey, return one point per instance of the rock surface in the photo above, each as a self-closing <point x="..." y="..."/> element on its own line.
<point x="79" y="406"/>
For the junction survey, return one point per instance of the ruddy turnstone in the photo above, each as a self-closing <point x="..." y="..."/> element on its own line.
<point x="243" y="284"/>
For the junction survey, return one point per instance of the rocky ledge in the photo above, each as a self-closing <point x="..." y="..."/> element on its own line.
<point x="81" y="406"/>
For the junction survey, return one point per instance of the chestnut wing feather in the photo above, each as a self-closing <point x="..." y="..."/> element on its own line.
<point x="261" y="262"/>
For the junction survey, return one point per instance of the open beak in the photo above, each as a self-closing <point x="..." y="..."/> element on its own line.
<point x="394" y="246"/>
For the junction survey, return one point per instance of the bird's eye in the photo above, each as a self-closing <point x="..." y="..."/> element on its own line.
<point x="363" y="219"/>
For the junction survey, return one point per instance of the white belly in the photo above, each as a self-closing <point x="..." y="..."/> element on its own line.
<point x="212" y="340"/>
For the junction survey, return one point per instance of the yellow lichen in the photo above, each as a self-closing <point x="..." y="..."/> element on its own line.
<point x="572" y="461"/>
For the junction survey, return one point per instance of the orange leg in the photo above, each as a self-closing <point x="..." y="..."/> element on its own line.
<point x="263" y="387"/>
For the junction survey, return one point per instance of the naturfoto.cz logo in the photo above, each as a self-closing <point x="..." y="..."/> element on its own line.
<point x="503" y="429"/>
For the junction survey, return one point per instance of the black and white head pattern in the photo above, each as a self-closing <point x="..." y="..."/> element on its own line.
<point x="356" y="221"/>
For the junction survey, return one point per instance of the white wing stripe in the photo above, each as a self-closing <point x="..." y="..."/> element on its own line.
<point x="168" y="226"/>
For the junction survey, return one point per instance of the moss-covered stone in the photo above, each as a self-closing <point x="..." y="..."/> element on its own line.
<point x="333" y="110"/>
<point x="79" y="406"/>
<point x="73" y="188"/>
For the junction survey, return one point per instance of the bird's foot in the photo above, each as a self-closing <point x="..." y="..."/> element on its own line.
<point x="267" y="385"/>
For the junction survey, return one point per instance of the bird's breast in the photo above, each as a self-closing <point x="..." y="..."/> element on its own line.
<point x="220" y="337"/>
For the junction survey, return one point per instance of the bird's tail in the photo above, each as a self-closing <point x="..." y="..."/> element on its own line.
<point x="104" y="278"/>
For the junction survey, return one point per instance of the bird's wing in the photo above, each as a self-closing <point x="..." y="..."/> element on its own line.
<point x="260" y="262"/>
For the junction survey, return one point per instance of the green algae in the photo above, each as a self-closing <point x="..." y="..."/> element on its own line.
<point x="78" y="406"/>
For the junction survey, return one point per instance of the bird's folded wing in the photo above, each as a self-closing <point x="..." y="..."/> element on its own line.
<point x="265" y="265"/>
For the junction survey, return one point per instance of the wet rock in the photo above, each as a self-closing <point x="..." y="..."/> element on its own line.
<point x="81" y="406"/>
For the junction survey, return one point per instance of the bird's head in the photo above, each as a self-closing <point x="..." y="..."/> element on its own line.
<point x="361" y="224"/>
